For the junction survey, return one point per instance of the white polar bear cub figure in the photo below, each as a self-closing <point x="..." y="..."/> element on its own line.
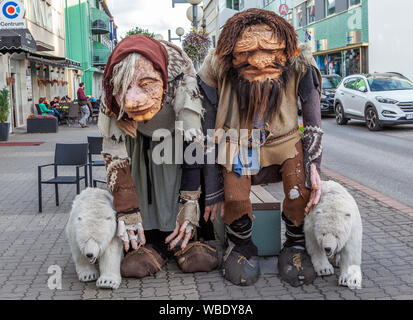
<point x="91" y="233"/>
<point x="333" y="229"/>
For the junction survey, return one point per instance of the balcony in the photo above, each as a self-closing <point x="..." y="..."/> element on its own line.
<point x="100" y="22"/>
<point x="100" y="55"/>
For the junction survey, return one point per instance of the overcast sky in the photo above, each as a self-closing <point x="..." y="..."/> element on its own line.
<point x="155" y="15"/>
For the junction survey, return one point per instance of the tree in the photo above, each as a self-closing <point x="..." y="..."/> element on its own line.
<point x="138" y="30"/>
<point x="196" y="45"/>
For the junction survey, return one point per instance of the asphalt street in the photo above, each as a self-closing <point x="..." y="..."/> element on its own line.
<point x="380" y="160"/>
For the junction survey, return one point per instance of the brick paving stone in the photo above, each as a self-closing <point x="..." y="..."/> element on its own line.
<point x="30" y="242"/>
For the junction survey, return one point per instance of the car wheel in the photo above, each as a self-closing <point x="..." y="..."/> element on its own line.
<point x="372" y="120"/>
<point x="340" y="119"/>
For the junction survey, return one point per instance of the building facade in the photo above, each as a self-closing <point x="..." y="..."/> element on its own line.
<point x="354" y="36"/>
<point x="39" y="71"/>
<point x="91" y="37"/>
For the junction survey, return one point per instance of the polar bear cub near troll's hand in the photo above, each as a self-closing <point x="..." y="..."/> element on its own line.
<point x="333" y="230"/>
<point x="91" y="231"/>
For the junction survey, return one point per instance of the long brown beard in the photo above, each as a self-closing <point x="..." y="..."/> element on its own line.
<point x="258" y="99"/>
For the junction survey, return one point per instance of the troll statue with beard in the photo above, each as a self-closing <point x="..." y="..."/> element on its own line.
<point x="255" y="78"/>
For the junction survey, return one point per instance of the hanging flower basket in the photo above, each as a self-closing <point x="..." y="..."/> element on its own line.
<point x="196" y="45"/>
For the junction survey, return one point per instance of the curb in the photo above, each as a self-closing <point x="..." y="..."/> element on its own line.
<point x="373" y="193"/>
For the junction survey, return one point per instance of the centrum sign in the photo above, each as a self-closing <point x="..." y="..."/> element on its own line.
<point x="12" y="15"/>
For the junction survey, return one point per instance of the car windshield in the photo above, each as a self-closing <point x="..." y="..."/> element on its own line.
<point x="331" y="82"/>
<point x="389" y="83"/>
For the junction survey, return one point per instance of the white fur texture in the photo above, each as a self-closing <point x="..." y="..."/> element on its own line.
<point x="91" y="233"/>
<point x="335" y="224"/>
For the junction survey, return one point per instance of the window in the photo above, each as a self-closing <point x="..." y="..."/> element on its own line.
<point x="49" y="17"/>
<point x="42" y="13"/>
<point x="267" y="2"/>
<point x="330" y="7"/>
<point x="349" y="84"/>
<point x="298" y="17"/>
<point x="235" y="4"/>
<point x="353" y="3"/>
<point x="310" y="11"/>
<point x="360" y="83"/>
<point x="36" y="11"/>
<point x="290" y="17"/>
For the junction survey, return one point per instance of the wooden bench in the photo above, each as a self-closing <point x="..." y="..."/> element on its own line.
<point x="266" y="233"/>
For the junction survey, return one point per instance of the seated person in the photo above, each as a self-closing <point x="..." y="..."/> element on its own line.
<point x="45" y="111"/>
<point x="56" y="101"/>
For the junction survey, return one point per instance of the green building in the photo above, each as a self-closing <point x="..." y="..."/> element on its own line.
<point x="337" y="31"/>
<point x="90" y="38"/>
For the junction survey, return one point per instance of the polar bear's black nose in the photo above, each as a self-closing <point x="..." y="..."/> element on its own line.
<point x="89" y="255"/>
<point x="327" y="250"/>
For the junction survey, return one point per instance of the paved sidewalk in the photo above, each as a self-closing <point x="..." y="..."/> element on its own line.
<point x="30" y="242"/>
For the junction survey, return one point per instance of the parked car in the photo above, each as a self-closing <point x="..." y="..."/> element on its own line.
<point x="380" y="99"/>
<point x="329" y="87"/>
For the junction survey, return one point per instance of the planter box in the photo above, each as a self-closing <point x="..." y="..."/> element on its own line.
<point x="46" y="125"/>
<point x="266" y="233"/>
<point x="4" y="131"/>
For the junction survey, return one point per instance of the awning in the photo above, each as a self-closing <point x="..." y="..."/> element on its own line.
<point x="16" y="40"/>
<point x="59" y="62"/>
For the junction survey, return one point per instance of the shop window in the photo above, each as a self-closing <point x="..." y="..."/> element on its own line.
<point x="330" y="6"/>
<point x="352" y="62"/>
<point x="353" y="3"/>
<point x="298" y="16"/>
<point x="310" y="11"/>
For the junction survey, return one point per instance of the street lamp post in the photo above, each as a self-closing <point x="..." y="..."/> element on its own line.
<point x="179" y="32"/>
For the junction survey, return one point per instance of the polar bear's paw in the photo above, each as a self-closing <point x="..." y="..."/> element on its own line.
<point x="87" y="275"/>
<point x="323" y="268"/>
<point x="108" y="282"/>
<point x="351" y="278"/>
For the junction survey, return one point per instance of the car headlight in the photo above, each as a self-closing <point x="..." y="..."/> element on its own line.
<point x="386" y="100"/>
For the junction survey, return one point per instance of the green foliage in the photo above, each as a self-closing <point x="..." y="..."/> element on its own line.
<point x="4" y="104"/>
<point x="138" y="30"/>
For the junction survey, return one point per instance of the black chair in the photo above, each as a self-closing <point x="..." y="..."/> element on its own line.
<point x="73" y="114"/>
<point x="66" y="154"/>
<point x="96" y="181"/>
<point x="95" y="147"/>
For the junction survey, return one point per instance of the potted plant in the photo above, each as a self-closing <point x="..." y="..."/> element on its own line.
<point x="4" y="114"/>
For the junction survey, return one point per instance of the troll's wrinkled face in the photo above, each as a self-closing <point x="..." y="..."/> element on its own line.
<point x="259" y="54"/>
<point x="143" y="99"/>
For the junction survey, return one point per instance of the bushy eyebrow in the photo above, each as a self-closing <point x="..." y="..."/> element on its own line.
<point x="149" y="78"/>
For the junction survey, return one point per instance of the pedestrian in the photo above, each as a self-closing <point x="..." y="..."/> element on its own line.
<point x="84" y="108"/>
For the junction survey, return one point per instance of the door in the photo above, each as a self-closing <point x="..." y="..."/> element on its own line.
<point x="346" y="95"/>
<point x="359" y="97"/>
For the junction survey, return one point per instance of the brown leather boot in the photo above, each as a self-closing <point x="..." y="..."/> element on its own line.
<point x="197" y="257"/>
<point x="145" y="261"/>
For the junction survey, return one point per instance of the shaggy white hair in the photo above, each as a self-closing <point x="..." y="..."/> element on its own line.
<point x="122" y="76"/>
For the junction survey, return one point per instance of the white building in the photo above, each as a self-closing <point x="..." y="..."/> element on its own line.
<point x="217" y="12"/>
<point x="390" y="36"/>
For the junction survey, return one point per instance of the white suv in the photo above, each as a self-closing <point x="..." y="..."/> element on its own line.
<point x="380" y="99"/>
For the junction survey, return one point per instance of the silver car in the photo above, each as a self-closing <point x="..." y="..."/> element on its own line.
<point x="380" y="99"/>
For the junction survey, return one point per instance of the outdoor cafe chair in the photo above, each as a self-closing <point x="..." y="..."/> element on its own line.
<point x="73" y="114"/>
<point x="95" y="148"/>
<point x="66" y="154"/>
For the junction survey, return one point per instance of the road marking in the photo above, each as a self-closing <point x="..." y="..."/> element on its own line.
<point x="372" y="193"/>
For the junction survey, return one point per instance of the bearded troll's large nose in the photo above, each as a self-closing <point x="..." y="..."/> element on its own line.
<point x="260" y="60"/>
<point x="136" y="97"/>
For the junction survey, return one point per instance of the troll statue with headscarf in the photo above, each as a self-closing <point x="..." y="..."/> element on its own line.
<point x="255" y="78"/>
<point x="148" y="86"/>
